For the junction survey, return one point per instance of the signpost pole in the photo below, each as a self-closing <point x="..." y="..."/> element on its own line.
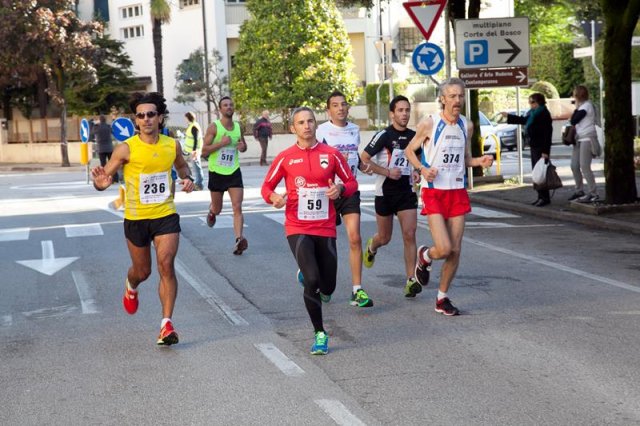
<point x="519" y="140"/>
<point x="593" y="62"/>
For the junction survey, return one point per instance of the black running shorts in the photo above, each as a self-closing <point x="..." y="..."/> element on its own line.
<point x="142" y="232"/>
<point x="390" y="204"/>
<point x="221" y="183"/>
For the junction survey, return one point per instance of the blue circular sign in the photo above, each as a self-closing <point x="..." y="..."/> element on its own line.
<point x="428" y="58"/>
<point x="84" y="130"/>
<point x="122" y="128"/>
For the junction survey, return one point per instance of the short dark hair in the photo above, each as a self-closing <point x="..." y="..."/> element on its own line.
<point x="224" y="98"/>
<point x="300" y="109"/>
<point x="394" y="101"/>
<point x="189" y="116"/>
<point x="538" y="98"/>
<point x="155" y="98"/>
<point x="335" y="94"/>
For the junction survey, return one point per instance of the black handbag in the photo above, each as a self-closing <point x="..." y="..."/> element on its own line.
<point x="569" y="135"/>
<point x="552" y="181"/>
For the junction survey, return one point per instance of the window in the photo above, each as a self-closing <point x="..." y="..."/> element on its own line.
<point x="187" y="3"/>
<point x="131" y="11"/>
<point x="101" y="9"/>
<point x="235" y="1"/>
<point x="133" y="32"/>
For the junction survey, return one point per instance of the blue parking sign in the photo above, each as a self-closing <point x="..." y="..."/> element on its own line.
<point x="476" y="52"/>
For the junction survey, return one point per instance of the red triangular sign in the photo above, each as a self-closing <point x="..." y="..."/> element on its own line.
<point x="425" y="14"/>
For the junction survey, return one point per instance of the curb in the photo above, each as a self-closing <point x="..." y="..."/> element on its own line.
<point x="563" y="215"/>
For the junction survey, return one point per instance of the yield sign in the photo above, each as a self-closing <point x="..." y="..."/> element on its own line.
<point x="425" y="14"/>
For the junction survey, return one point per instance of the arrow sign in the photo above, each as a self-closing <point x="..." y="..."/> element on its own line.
<point x="514" y="50"/>
<point x="48" y="265"/>
<point x="84" y="130"/>
<point x="425" y="14"/>
<point x="122" y="128"/>
<point x="428" y="58"/>
<point x="496" y="77"/>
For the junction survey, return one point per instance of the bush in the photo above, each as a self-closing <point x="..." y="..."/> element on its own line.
<point x="555" y="63"/>
<point x="547" y="89"/>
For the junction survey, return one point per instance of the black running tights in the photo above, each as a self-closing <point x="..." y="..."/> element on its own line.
<point x="317" y="259"/>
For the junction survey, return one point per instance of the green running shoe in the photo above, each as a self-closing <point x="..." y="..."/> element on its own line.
<point x="361" y="299"/>
<point x="367" y="256"/>
<point x="412" y="288"/>
<point x="325" y="298"/>
<point x="321" y="344"/>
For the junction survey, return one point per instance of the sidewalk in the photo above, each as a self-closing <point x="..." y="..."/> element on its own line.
<point x="512" y="197"/>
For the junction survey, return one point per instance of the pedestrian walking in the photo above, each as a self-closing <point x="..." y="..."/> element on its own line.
<point x="586" y="147"/>
<point x="443" y="143"/>
<point x="538" y="130"/>
<point x="149" y="212"/>
<point x="263" y="132"/>
<point x="102" y="136"/>
<point x="193" y="142"/>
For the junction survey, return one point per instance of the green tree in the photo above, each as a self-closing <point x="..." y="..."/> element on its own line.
<point x="191" y="83"/>
<point x="160" y="11"/>
<point x="549" y="21"/>
<point x="621" y="18"/>
<point x="64" y="45"/>
<point x="292" y="53"/>
<point x="115" y="80"/>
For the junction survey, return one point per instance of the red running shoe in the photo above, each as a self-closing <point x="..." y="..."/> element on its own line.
<point x="130" y="300"/>
<point x="168" y="335"/>
<point x="211" y="219"/>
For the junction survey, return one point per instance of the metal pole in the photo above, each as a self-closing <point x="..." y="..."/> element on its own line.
<point x="206" y="63"/>
<point x="519" y="140"/>
<point x="593" y="62"/>
<point x="467" y="112"/>
<point x="447" y="43"/>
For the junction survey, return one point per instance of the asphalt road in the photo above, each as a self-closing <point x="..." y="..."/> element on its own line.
<point x="548" y="333"/>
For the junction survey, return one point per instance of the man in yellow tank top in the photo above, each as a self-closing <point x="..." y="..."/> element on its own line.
<point x="150" y="213"/>
<point x="222" y="143"/>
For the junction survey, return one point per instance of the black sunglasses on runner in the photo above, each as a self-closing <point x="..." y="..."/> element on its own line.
<point x="148" y="114"/>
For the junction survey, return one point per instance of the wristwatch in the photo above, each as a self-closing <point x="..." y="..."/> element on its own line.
<point x="189" y="177"/>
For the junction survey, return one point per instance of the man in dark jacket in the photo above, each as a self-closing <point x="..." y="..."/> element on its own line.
<point x="102" y="137"/>
<point x="538" y="130"/>
<point x="262" y="132"/>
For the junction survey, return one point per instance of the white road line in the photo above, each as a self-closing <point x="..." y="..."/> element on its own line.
<point x="87" y="293"/>
<point x="83" y="230"/>
<point x="45" y="313"/>
<point x="554" y="265"/>
<point x="6" y="320"/>
<point x="280" y="360"/>
<point x="14" y="234"/>
<point x="210" y="296"/>
<point x="472" y="224"/>
<point x="222" y="221"/>
<point x="338" y="412"/>
<point x="277" y="217"/>
<point x="492" y="214"/>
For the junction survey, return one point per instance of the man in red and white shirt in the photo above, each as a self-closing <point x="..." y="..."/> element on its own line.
<point x="309" y="169"/>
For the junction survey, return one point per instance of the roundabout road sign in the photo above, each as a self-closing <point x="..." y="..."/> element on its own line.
<point x="428" y="58"/>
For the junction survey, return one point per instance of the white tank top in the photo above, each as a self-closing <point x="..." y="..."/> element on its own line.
<point x="445" y="151"/>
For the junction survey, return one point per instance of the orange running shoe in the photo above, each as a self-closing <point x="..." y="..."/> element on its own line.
<point x="130" y="300"/>
<point x="168" y="335"/>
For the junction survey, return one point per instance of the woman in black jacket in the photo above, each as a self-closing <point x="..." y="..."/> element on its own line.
<point x="538" y="130"/>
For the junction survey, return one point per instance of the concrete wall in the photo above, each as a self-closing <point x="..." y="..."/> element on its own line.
<point x="43" y="153"/>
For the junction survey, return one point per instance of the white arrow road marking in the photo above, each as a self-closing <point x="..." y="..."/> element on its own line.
<point x="45" y="313"/>
<point x="14" y="234"/>
<point x="279" y="359"/>
<point x="48" y="265"/>
<point x="87" y="293"/>
<point x="338" y="412"/>
<point x="124" y="131"/>
<point x="83" y="230"/>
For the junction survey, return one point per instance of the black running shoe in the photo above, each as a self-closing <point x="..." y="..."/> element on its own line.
<point x="423" y="269"/>
<point x="445" y="307"/>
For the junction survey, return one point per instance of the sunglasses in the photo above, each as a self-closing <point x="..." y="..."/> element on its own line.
<point x="148" y="114"/>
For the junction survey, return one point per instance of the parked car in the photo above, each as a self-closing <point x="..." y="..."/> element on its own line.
<point x="508" y="132"/>
<point x="490" y="134"/>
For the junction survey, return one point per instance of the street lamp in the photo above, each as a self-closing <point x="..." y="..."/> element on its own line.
<point x="206" y="63"/>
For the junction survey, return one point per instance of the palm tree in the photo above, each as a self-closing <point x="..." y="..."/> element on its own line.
<point x="160" y="13"/>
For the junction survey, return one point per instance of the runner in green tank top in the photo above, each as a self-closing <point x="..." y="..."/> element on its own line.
<point x="223" y="142"/>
